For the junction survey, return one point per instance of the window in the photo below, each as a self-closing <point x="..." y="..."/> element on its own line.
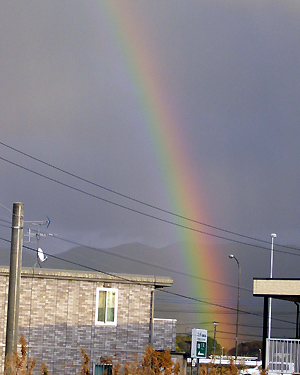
<point x="106" y="306"/>
<point x="103" y="369"/>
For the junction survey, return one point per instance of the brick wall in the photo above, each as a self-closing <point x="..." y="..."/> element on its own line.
<point x="57" y="318"/>
<point x="164" y="334"/>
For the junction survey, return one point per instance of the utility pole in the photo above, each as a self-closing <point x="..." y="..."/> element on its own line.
<point x="215" y="341"/>
<point x="14" y="279"/>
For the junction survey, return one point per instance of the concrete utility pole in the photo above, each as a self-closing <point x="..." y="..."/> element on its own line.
<point x="215" y="341"/>
<point x="14" y="279"/>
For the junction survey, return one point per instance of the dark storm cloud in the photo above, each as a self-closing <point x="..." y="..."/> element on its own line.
<point x="231" y="69"/>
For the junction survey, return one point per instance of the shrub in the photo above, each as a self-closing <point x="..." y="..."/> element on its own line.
<point x="19" y="364"/>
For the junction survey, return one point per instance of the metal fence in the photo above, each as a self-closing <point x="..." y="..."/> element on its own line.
<point x="283" y="356"/>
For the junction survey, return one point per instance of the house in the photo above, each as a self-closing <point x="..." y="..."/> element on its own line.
<point x="62" y="311"/>
<point x="279" y="355"/>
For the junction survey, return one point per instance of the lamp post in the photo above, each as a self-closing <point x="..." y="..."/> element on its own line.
<point x="231" y="256"/>
<point x="273" y="235"/>
<point x="215" y="341"/>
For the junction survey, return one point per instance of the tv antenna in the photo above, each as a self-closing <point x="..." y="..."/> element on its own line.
<point x="40" y="256"/>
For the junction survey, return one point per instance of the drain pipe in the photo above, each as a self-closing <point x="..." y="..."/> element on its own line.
<point x="151" y="333"/>
<point x="297" y="321"/>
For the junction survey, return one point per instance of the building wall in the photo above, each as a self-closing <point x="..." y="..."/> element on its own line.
<point x="57" y="318"/>
<point x="164" y="335"/>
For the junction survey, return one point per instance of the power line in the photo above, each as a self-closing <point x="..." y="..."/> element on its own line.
<point x="122" y="278"/>
<point x="129" y="197"/>
<point x="144" y="213"/>
<point x="198" y="324"/>
<point x="5" y="221"/>
<point x="223" y="337"/>
<point x="195" y="312"/>
<point x="147" y="263"/>
<point x="242" y="334"/>
<point x="5" y="226"/>
<point x="223" y="332"/>
<point x="233" y="310"/>
<point x="218" y="305"/>
<point x="123" y="257"/>
<point x="230" y="324"/>
<point x="174" y="294"/>
<point x="135" y="200"/>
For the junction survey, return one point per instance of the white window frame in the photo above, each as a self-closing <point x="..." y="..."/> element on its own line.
<point x="114" y="323"/>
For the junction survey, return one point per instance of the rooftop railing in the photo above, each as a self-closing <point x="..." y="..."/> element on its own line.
<point x="283" y="356"/>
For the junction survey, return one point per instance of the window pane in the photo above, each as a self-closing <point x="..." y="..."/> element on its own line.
<point x="106" y="309"/>
<point x="110" y="306"/>
<point x="103" y="369"/>
<point x="101" y="306"/>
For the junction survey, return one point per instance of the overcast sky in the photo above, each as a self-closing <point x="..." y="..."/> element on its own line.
<point x="68" y="97"/>
<point x="78" y="83"/>
<point x="69" y="77"/>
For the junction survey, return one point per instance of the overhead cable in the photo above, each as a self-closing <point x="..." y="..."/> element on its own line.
<point x="143" y="213"/>
<point x="129" y="197"/>
<point x="133" y="199"/>
<point x="122" y="278"/>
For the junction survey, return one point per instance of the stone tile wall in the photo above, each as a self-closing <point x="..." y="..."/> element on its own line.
<point x="164" y="334"/>
<point x="57" y="318"/>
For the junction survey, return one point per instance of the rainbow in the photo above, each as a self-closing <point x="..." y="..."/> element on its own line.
<point x="162" y="118"/>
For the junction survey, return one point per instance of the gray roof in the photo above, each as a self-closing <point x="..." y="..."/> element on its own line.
<point x="156" y="281"/>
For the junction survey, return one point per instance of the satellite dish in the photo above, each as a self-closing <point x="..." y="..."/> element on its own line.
<point x="41" y="256"/>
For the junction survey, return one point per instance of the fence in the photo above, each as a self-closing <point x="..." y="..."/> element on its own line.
<point x="283" y="356"/>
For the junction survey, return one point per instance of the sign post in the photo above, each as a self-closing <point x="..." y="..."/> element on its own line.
<point x="199" y="343"/>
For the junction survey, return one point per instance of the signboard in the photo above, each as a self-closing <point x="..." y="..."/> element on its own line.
<point x="199" y="343"/>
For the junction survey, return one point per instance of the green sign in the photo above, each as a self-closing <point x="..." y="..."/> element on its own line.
<point x="201" y="349"/>
<point x="199" y="343"/>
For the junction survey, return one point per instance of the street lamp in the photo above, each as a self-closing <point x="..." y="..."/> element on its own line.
<point x="231" y="256"/>
<point x="273" y="235"/>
